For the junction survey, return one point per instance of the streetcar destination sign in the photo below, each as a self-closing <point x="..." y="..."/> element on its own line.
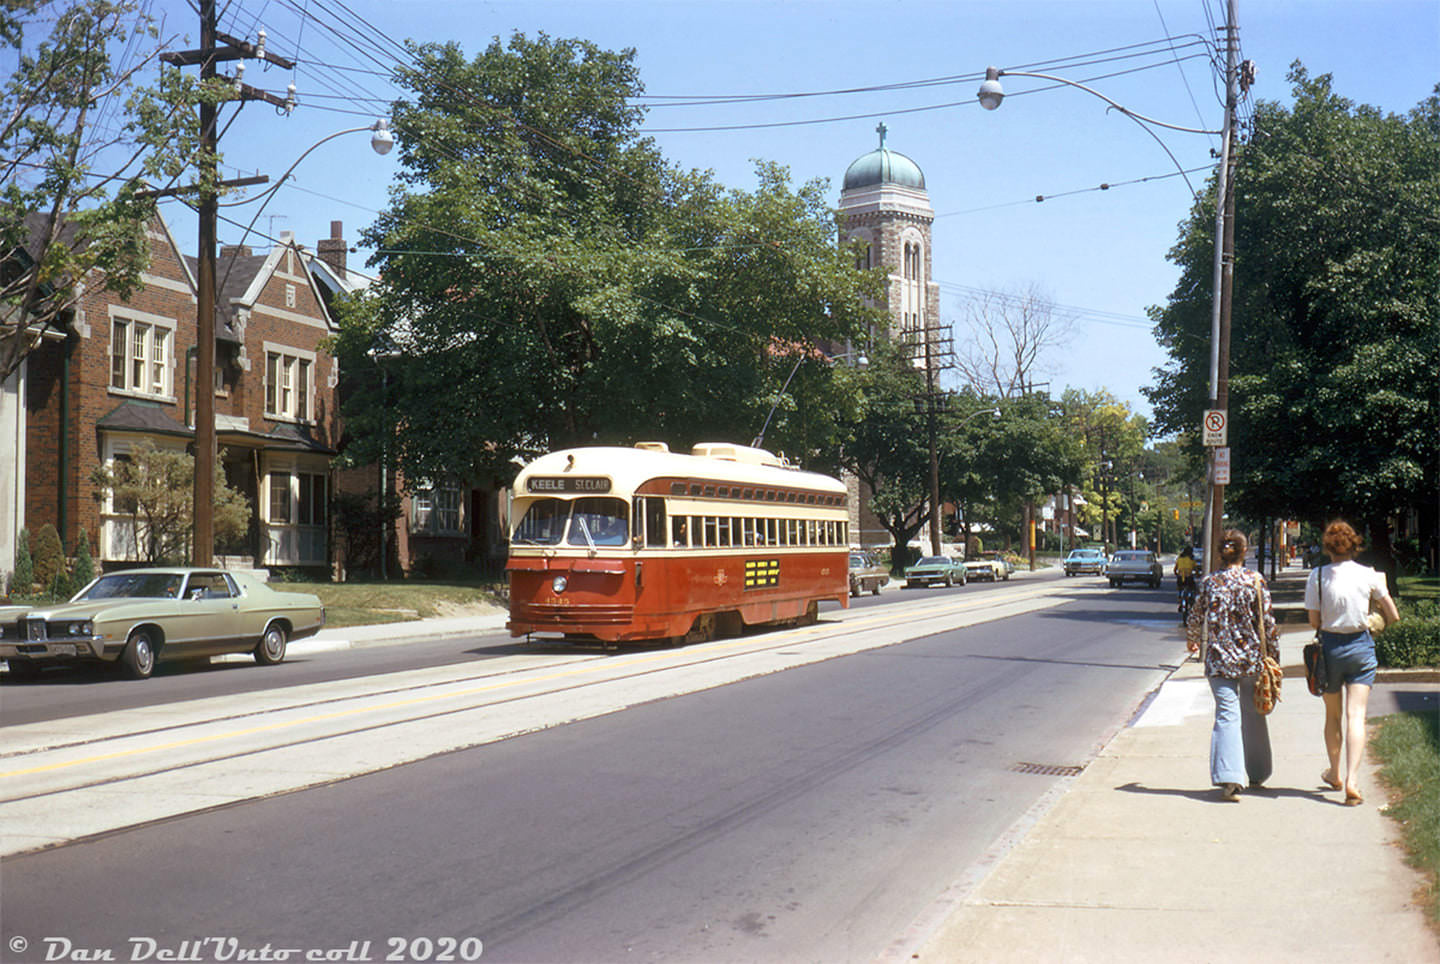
<point x="566" y="483"/>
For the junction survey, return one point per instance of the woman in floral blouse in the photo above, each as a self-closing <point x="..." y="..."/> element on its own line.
<point x="1225" y="614"/>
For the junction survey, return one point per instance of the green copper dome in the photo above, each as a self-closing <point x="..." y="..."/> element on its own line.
<point x="883" y="166"/>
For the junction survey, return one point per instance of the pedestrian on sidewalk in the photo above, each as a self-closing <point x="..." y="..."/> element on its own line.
<point x="1226" y="614"/>
<point x="1338" y="599"/>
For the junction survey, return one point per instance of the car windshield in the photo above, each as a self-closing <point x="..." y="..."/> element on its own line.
<point x="133" y="585"/>
<point x="857" y="562"/>
<point x="933" y="561"/>
<point x="1085" y="553"/>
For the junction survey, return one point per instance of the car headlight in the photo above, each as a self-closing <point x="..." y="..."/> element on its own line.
<point x="558" y="584"/>
<point x="79" y="628"/>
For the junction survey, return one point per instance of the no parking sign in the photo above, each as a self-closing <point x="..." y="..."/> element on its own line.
<point x="1214" y="427"/>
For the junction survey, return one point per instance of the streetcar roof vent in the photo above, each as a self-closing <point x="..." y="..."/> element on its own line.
<point x="652" y="446"/>
<point x="730" y="452"/>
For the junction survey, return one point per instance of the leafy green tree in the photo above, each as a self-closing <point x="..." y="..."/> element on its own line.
<point x="157" y="486"/>
<point x="79" y="136"/>
<point x="48" y="554"/>
<point x="885" y="442"/>
<point x="1112" y="440"/>
<point x="548" y="279"/>
<point x="1336" y="333"/>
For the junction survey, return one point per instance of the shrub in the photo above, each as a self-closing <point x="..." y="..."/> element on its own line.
<point x="24" y="575"/>
<point x="84" y="570"/>
<point x="48" y="555"/>
<point x="1414" y="640"/>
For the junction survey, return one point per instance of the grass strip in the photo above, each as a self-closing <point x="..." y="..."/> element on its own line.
<point x="1408" y="745"/>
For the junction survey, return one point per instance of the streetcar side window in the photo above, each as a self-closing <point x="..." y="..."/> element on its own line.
<point x="543" y="523"/>
<point x="600" y="522"/>
<point x="655" y="522"/>
<point x="747" y="527"/>
<point x="680" y="531"/>
<point x="710" y="531"/>
<point x="723" y="531"/>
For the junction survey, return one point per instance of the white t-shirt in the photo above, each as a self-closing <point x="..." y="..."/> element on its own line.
<point x="1348" y="591"/>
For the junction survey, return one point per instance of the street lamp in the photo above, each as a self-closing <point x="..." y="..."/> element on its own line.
<point x="991" y="94"/>
<point x="202" y="552"/>
<point x="859" y="357"/>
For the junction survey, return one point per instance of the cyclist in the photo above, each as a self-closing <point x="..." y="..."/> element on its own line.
<point x="1185" y="571"/>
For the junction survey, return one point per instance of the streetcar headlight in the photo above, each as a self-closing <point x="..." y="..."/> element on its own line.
<point x="558" y="584"/>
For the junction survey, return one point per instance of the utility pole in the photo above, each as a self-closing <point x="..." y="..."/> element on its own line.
<point x="208" y="186"/>
<point x="932" y="399"/>
<point x="1223" y="281"/>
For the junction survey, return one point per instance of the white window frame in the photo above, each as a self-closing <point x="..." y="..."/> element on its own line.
<point x="289" y="394"/>
<point x="438" y="510"/>
<point x="146" y="356"/>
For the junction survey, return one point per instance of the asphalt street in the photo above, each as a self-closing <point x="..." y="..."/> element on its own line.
<point x="809" y="814"/>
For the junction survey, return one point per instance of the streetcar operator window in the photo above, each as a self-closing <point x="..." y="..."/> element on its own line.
<point x="543" y="524"/>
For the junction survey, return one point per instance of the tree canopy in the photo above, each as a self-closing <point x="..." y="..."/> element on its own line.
<point x="1336" y="314"/>
<point x="79" y="137"/>
<point x="549" y="279"/>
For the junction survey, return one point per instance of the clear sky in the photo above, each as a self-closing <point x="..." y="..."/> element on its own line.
<point x="1100" y="254"/>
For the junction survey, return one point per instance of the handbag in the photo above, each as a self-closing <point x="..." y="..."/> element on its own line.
<point x="1267" y="684"/>
<point x="1314" y="652"/>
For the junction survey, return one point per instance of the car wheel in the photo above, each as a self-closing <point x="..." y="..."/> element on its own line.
<point x="875" y="588"/>
<point x="271" y="648"/>
<point x="949" y="581"/>
<point x="138" y="659"/>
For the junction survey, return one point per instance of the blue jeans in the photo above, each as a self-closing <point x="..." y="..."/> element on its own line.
<point x="1240" y="739"/>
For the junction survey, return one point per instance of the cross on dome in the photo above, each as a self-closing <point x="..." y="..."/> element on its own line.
<point x="880" y="129"/>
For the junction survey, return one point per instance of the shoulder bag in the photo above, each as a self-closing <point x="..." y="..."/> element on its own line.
<point x="1267" y="684"/>
<point x="1314" y="651"/>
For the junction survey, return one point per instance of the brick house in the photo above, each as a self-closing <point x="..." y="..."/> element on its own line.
<point x="124" y="373"/>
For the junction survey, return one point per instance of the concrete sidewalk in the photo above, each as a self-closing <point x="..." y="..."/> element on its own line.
<point x="1140" y="860"/>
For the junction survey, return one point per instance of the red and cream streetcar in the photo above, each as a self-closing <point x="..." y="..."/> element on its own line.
<point x="620" y="544"/>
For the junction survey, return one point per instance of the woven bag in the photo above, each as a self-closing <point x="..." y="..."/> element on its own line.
<point x="1267" y="684"/>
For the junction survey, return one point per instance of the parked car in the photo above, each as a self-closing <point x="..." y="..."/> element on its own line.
<point x="1134" y="565"/>
<point x="935" y="570"/>
<point x="989" y="565"/>
<point x="866" y="574"/>
<point x="139" y="616"/>
<point x="1083" y="561"/>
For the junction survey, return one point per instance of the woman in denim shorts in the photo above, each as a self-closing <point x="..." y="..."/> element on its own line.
<point x="1338" y="598"/>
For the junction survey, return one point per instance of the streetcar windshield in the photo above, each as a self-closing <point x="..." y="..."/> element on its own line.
<point x="544" y="523"/>
<point x="599" y="522"/>
<point x="591" y="522"/>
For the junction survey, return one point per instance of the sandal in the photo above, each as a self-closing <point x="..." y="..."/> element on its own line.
<point x="1328" y="778"/>
<point x="1353" y="798"/>
<point x="1230" y="791"/>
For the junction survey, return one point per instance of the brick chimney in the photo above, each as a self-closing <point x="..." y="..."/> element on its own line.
<point x="228" y="251"/>
<point x="332" y="249"/>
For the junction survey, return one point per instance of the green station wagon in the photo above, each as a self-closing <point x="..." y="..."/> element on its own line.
<point x="139" y="616"/>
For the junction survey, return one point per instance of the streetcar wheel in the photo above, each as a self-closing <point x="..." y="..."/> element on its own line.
<point x="271" y="648"/>
<point x="138" y="659"/>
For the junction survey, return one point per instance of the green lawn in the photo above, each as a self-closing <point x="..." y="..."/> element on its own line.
<point x="362" y="603"/>
<point x="1408" y="745"/>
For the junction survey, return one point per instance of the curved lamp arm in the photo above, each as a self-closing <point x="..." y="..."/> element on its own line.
<point x="991" y="94"/>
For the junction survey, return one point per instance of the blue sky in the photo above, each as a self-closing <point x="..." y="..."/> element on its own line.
<point x="1100" y="254"/>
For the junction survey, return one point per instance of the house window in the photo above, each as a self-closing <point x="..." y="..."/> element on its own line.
<point x="436" y="510"/>
<point x="140" y="357"/>
<point x="287" y="385"/>
<point x="280" y="498"/>
<point x="312" y="500"/>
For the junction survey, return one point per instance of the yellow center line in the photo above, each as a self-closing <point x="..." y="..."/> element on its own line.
<point x="878" y="620"/>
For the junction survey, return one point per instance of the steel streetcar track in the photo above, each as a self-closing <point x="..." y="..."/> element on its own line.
<point x="866" y="623"/>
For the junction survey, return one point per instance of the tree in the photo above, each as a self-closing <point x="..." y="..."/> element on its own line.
<point x="155" y="487"/>
<point x="549" y="279"/>
<point x="1336" y="338"/>
<point x="885" y="442"/>
<point x="1010" y="335"/>
<point x="1112" y="439"/>
<point x="79" y="137"/>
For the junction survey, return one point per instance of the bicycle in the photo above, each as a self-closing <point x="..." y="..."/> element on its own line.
<point x="1187" y="598"/>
